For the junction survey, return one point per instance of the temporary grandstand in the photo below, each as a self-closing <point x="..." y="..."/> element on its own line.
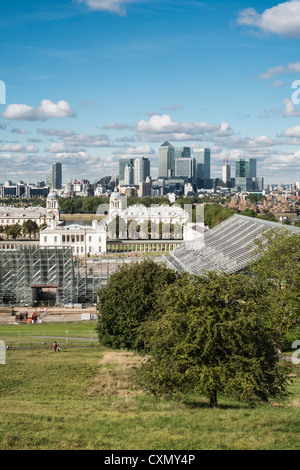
<point x="226" y="248"/>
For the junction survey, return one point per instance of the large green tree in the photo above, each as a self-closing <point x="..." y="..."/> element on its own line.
<point x="209" y="337"/>
<point x="276" y="267"/>
<point x="130" y="297"/>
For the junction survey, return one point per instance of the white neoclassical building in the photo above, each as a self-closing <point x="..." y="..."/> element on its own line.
<point x="84" y="239"/>
<point x="176" y="221"/>
<point x="10" y="215"/>
<point x="140" y="213"/>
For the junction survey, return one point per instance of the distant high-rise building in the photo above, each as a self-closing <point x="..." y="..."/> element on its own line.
<point x="128" y="175"/>
<point x="182" y="152"/>
<point x="137" y="172"/>
<point x="245" y="168"/>
<point x="57" y="175"/>
<point x="166" y="163"/>
<point x="202" y="167"/>
<point x="122" y="164"/>
<point x="184" y="168"/>
<point x="226" y="179"/>
<point x="245" y="176"/>
<point x="141" y="170"/>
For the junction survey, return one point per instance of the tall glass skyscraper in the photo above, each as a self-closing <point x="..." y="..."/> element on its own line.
<point x="245" y="176"/>
<point x="57" y="175"/>
<point x="184" y="168"/>
<point x="140" y="170"/>
<point x="202" y="168"/>
<point x="245" y="168"/>
<point x="166" y="160"/>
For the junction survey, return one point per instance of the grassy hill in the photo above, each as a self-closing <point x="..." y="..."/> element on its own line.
<point x="85" y="398"/>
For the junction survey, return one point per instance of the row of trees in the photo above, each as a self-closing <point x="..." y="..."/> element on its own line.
<point x="14" y="231"/>
<point x="216" y="334"/>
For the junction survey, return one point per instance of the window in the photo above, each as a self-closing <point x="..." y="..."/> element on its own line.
<point x="55" y="239"/>
<point x="45" y="239"/>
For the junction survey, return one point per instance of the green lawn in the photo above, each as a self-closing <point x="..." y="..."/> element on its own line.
<point x="85" y="398"/>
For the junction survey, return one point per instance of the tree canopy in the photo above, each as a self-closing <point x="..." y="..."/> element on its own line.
<point x="277" y="271"/>
<point x="129" y="299"/>
<point x="210" y="337"/>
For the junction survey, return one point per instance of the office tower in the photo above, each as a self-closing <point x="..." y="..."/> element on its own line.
<point x="122" y="164"/>
<point x="226" y="179"/>
<point x="245" y="176"/>
<point x="184" y="168"/>
<point x="141" y="170"/>
<point x="128" y="175"/>
<point x="166" y="156"/>
<point x="49" y="180"/>
<point x="245" y="168"/>
<point x="57" y="175"/>
<point x="182" y="152"/>
<point x="202" y="168"/>
<point x="138" y="170"/>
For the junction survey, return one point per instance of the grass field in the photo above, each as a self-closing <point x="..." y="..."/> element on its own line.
<point x="86" y="399"/>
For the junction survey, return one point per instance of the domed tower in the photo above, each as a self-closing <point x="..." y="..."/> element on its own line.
<point x="52" y="207"/>
<point x="117" y="204"/>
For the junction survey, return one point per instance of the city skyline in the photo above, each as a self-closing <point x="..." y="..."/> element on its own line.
<point x="88" y="82"/>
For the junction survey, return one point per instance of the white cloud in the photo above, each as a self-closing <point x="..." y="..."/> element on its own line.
<point x="19" y="131"/>
<point x="113" y="6"/>
<point x="277" y="84"/>
<point x="290" y="110"/>
<point x="162" y="127"/>
<point x="283" y="19"/>
<point x="292" y="131"/>
<point x="46" y="110"/>
<point x="19" y="148"/>
<point x="281" y="70"/>
<point x="136" y="151"/>
<point x="54" y="132"/>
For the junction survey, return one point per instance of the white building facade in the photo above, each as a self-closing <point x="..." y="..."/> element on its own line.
<point x="85" y="240"/>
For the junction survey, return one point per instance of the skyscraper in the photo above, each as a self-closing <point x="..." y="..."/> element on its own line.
<point x="245" y="176"/>
<point x="166" y="163"/>
<point x="128" y="175"/>
<point x="184" y="168"/>
<point x="182" y="152"/>
<point x="202" y="168"/>
<point x="133" y="170"/>
<point x="245" y="168"/>
<point x="122" y="164"/>
<point x="226" y="172"/>
<point x="57" y="175"/>
<point x="141" y="170"/>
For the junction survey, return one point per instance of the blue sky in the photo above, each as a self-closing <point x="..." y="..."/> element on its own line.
<point x="89" y="81"/>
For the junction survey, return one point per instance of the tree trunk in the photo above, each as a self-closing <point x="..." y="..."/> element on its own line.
<point x="213" y="399"/>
